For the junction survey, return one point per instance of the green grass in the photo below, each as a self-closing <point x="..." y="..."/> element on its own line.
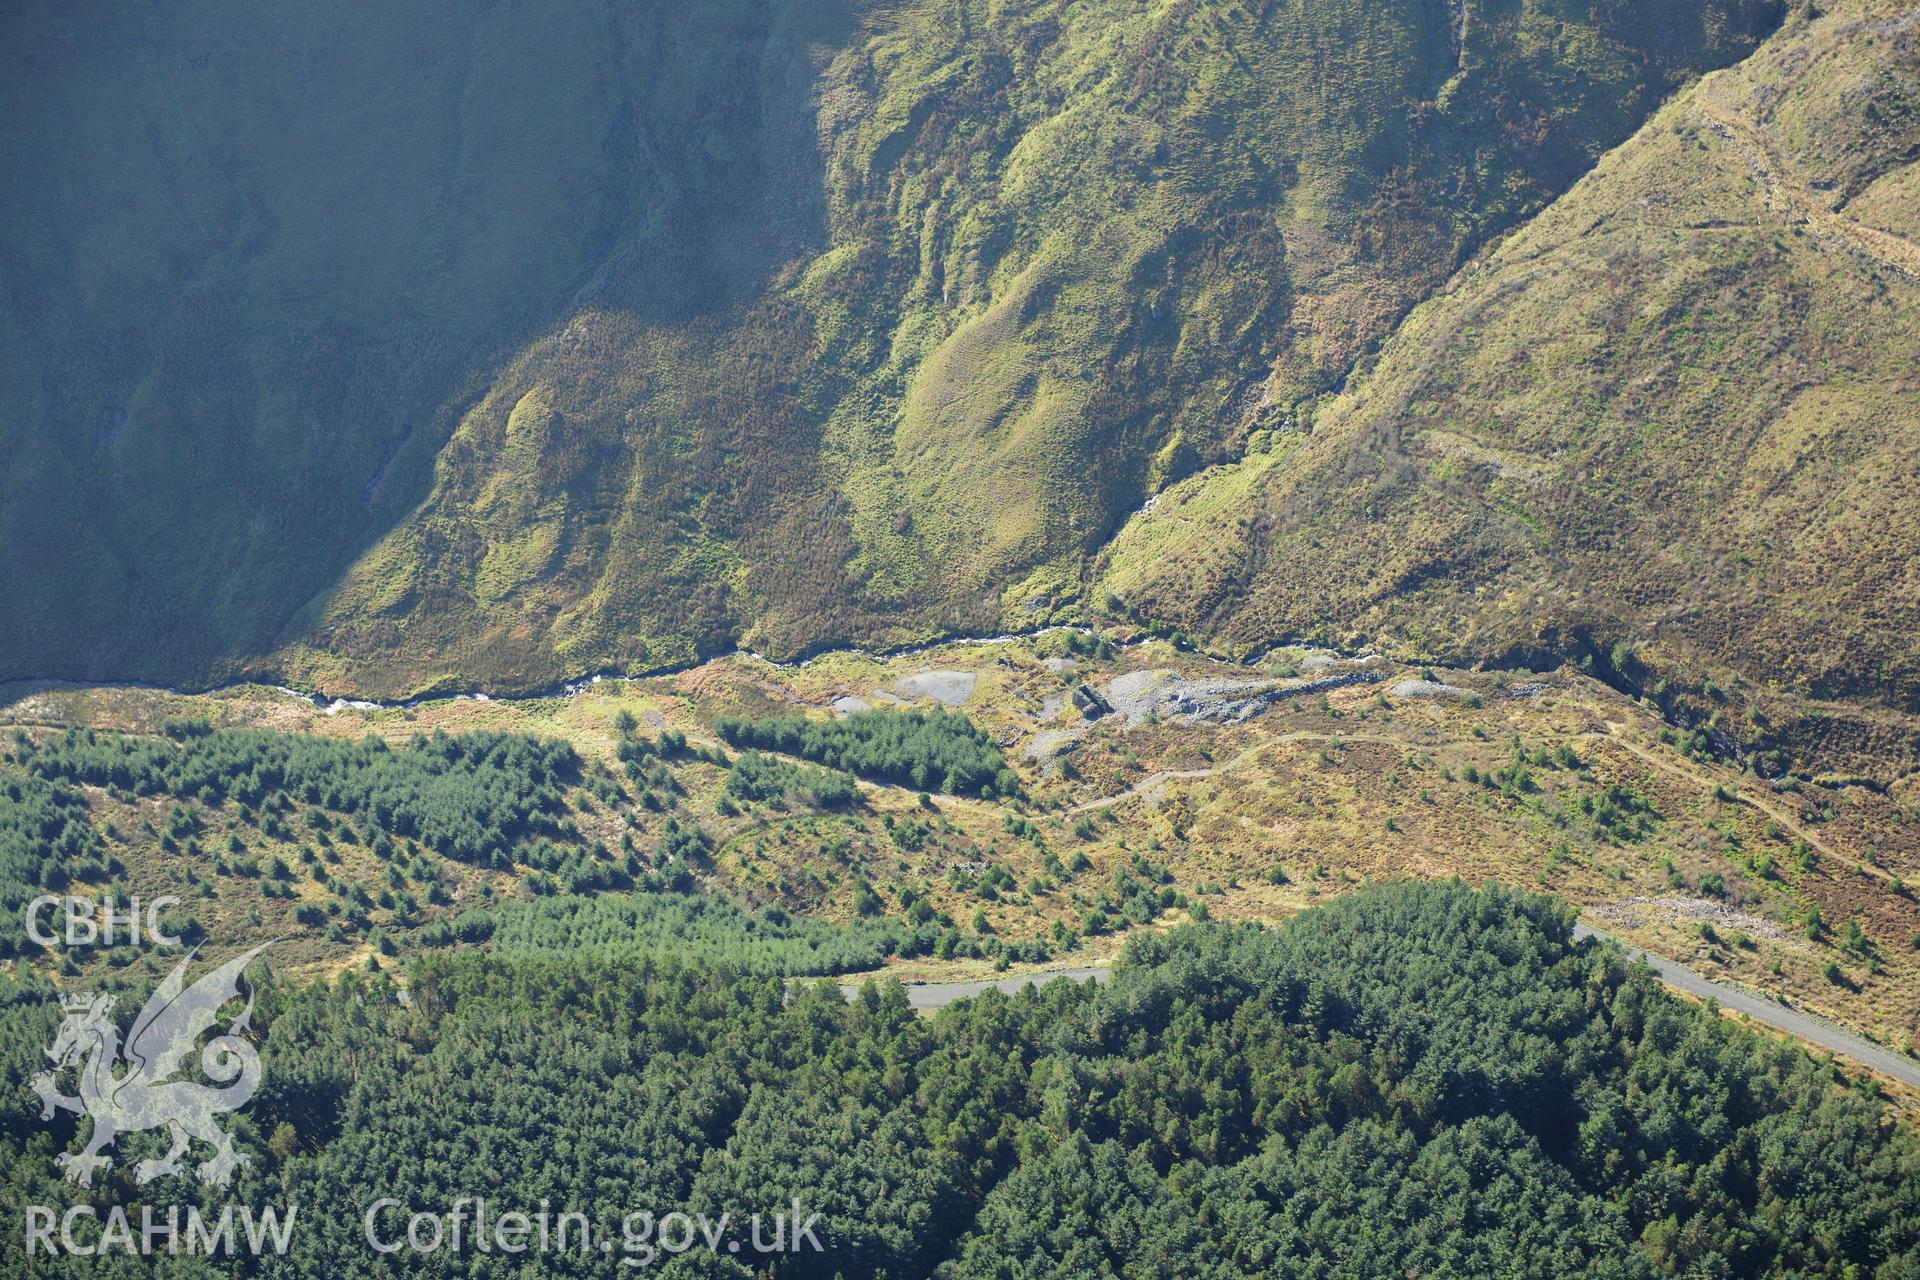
<point x="447" y="348"/>
<point x="1670" y="411"/>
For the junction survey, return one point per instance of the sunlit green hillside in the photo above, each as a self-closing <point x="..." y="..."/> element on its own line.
<point x="1668" y="425"/>
<point x="436" y="343"/>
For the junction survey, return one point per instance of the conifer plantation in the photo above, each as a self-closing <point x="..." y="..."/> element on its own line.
<point x="960" y="639"/>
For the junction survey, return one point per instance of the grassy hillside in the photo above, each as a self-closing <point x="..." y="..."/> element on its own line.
<point x="1211" y="791"/>
<point x="1667" y="426"/>
<point x="539" y="341"/>
<point x="259" y="263"/>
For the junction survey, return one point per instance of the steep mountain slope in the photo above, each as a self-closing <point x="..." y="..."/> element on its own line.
<point x="1669" y="425"/>
<point x="256" y="261"/>
<point x="790" y="323"/>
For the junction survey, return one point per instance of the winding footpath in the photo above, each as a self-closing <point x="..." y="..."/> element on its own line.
<point x="1787" y="194"/>
<point x="1823" y="1035"/>
<point x="1155" y="781"/>
<point x="1891" y="250"/>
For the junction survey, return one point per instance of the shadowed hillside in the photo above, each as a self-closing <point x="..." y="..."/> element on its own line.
<point x="259" y="263"/>
<point x="1667" y="426"/>
<point x="539" y="342"/>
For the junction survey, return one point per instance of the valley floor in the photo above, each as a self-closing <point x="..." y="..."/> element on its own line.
<point x="1231" y="792"/>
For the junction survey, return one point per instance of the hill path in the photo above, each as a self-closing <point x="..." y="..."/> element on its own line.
<point x="1784" y="190"/>
<point x="1154" y="781"/>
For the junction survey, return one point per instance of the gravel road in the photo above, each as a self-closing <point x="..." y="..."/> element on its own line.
<point x="1776" y="1015"/>
<point x="1824" y="1035"/>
